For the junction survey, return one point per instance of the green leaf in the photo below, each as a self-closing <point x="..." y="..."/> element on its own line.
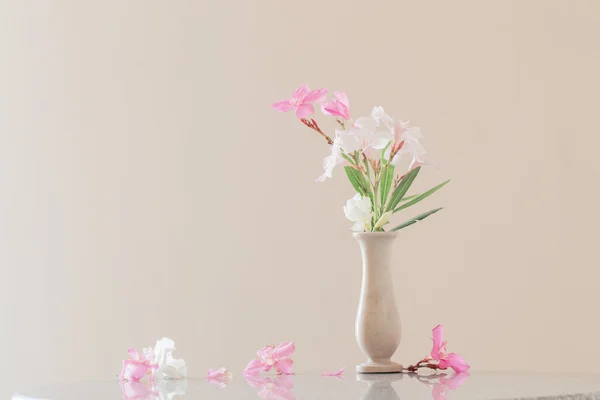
<point x="416" y="219"/>
<point x="387" y="179"/>
<point x="421" y="196"/>
<point x="357" y="180"/>
<point x="409" y="197"/>
<point x="401" y="189"/>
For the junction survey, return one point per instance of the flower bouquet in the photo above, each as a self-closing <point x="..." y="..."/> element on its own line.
<point x="371" y="149"/>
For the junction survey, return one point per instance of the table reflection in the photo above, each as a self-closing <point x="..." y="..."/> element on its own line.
<point x="161" y="390"/>
<point x="380" y="385"/>
<point x="273" y="388"/>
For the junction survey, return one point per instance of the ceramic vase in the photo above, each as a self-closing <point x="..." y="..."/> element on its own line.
<point x="377" y="319"/>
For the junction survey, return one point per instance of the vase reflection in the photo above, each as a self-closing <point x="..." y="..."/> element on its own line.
<point x="380" y="385"/>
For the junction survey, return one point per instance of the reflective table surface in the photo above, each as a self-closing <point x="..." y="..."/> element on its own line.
<point x="474" y="386"/>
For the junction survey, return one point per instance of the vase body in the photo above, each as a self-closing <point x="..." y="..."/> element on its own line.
<point x="377" y="319"/>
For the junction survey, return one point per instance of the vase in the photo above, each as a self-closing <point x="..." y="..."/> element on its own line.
<point x="377" y="319"/>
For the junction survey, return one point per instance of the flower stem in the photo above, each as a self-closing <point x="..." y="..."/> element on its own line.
<point x="312" y="124"/>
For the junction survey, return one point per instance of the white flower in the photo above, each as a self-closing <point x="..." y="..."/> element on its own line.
<point x="379" y="115"/>
<point x="411" y="146"/>
<point x="358" y="210"/>
<point x="168" y="367"/>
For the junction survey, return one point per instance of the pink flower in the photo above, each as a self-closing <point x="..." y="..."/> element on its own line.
<point x="272" y="357"/>
<point x="301" y="101"/>
<point x="339" y="107"/>
<point x="219" y="377"/>
<point x="438" y="352"/>
<point x="277" y="388"/>
<point x="138" y="366"/>
<point x="337" y="373"/>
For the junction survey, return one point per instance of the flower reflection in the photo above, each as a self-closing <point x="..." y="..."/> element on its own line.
<point x="161" y="390"/>
<point x="272" y="388"/>
<point x="440" y="384"/>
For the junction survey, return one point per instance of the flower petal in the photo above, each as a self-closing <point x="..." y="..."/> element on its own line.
<point x="133" y="370"/>
<point x="438" y="340"/>
<point x="133" y="354"/>
<point x="300" y="93"/>
<point x="283" y="106"/>
<point x="266" y="352"/>
<point x="342" y="98"/>
<point x="457" y="363"/>
<point x="219" y="373"/>
<point x="304" y="110"/>
<point x="316" y="96"/>
<point x="254" y="367"/>
<point x="339" y="372"/>
<point x="285" y="349"/>
<point x="284" y="366"/>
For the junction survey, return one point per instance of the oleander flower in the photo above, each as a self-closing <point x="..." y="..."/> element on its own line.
<point x="358" y="210"/>
<point x="301" y="101"/>
<point x="338" y="107"/>
<point x="138" y="366"/>
<point x="445" y="360"/>
<point x="271" y="357"/>
<point x="219" y="377"/>
<point x="168" y="367"/>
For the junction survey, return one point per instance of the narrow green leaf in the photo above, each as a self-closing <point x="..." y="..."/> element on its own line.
<point x="421" y="196"/>
<point x="409" y="197"/>
<point x="416" y="219"/>
<point x="387" y="179"/>
<point x="401" y="189"/>
<point x="354" y="176"/>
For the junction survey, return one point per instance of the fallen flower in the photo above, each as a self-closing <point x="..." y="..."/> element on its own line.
<point x="438" y="352"/>
<point x="153" y="362"/>
<point x="339" y="372"/>
<point x="219" y="377"/>
<point x="272" y="357"/>
<point x="138" y="366"/>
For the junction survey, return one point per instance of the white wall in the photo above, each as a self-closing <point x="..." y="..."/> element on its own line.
<point x="147" y="189"/>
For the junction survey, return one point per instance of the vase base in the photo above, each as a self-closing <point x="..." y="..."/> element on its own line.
<point x="379" y="368"/>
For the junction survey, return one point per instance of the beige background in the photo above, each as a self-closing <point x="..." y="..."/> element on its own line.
<point x="148" y="190"/>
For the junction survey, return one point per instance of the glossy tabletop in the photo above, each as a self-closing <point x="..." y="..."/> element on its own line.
<point x="476" y="386"/>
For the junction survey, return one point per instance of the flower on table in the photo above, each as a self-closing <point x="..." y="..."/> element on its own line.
<point x="301" y="101"/>
<point x="138" y="366"/>
<point x="338" y="107"/>
<point x="153" y="362"/>
<point x="358" y="210"/>
<point x="168" y="367"/>
<point x="219" y="377"/>
<point x="272" y="357"/>
<point x="337" y="373"/>
<point x="445" y="360"/>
